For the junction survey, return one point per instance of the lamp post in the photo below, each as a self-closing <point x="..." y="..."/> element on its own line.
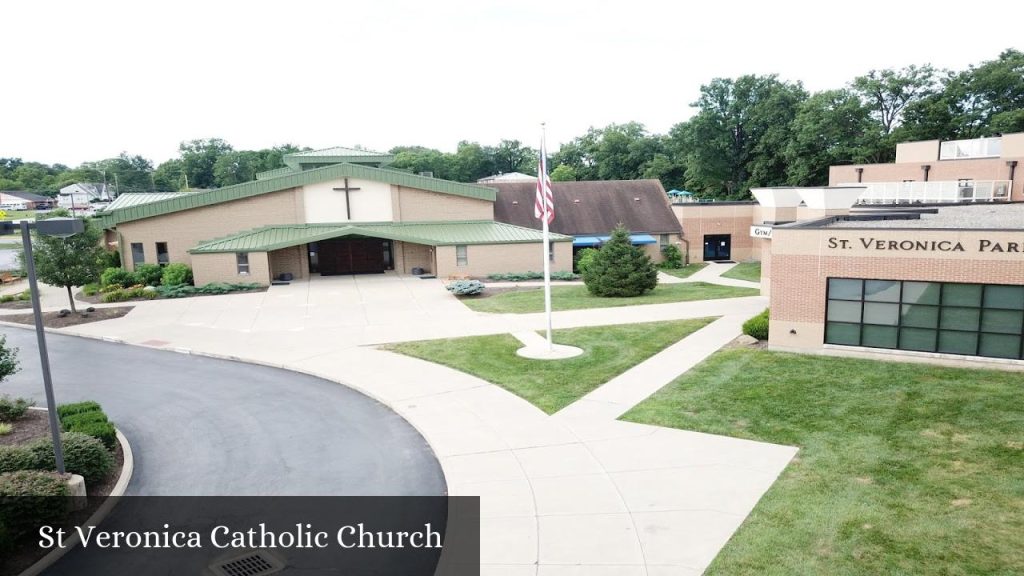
<point x="61" y="228"/>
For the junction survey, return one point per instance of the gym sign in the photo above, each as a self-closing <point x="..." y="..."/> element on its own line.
<point x="758" y="231"/>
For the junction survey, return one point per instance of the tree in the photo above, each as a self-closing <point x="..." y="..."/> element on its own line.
<point x="8" y="359"/>
<point x="830" y="128"/>
<point x="563" y="173"/>
<point x="169" y="176"/>
<point x="69" y="262"/>
<point x="512" y="156"/>
<point x="620" y="269"/>
<point x="889" y="92"/>
<point x="199" y="158"/>
<point x="472" y="162"/>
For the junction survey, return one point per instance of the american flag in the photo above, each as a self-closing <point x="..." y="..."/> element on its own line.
<point x="544" y="202"/>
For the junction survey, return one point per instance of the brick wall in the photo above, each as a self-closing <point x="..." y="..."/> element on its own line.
<point x="183" y="230"/>
<point x="699" y="220"/>
<point x="293" y="260"/>
<point x="223" y="267"/>
<point x="409" y="256"/>
<point x="500" y="258"/>
<point x="412" y="205"/>
<point x="802" y="261"/>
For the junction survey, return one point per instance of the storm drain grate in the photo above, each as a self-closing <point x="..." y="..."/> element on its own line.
<point x="255" y="563"/>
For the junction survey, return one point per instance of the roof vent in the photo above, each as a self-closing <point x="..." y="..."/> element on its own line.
<point x="249" y="563"/>
<point x="576" y="201"/>
<point x="514" y="202"/>
<point x="636" y="199"/>
<point x="427" y="173"/>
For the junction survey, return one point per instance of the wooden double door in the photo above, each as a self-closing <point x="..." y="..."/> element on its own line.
<point x="352" y="256"/>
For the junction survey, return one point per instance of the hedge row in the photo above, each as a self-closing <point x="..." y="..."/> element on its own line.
<point x="83" y="455"/>
<point x="87" y="418"/>
<point x="757" y="327"/>
<point x="29" y="499"/>
<point x="521" y="276"/>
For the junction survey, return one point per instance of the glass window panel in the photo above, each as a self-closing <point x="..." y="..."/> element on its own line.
<point x="138" y="254"/>
<point x="1011" y="297"/>
<point x="879" y="337"/>
<point x="917" y="339"/>
<point x="921" y="292"/>
<point x="1004" y="321"/>
<point x="961" y="295"/>
<point x="843" y="311"/>
<point x="842" y="289"/>
<point x="1000" y="346"/>
<point x="846" y="334"/>
<point x="958" y="342"/>
<point x="960" y="318"/>
<point x="876" y="313"/>
<point x="882" y="290"/>
<point x="920" y="316"/>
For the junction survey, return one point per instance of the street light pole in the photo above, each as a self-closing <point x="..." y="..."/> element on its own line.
<point x="44" y="357"/>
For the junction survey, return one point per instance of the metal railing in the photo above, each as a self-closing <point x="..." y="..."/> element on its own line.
<point x="934" y="192"/>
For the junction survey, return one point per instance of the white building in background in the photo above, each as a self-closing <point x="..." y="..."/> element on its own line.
<point x="81" y="196"/>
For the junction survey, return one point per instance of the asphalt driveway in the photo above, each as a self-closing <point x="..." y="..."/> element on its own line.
<point x="201" y="426"/>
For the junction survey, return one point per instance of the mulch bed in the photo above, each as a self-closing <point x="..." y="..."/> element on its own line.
<point x="16" y="304"/>
<point x="98" y="298"/>
<point x="35" y="425"/>
<point x="54" y="320"/>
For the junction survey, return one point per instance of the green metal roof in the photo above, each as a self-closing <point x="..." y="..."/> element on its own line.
<point x="335" y="155"/>
<point x="109" y="218"/>
<point x="139" y="198"/>
<point x="274" y="173"/>
<point x="269" y="238"/>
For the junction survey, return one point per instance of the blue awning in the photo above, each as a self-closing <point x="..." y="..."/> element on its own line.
<point x="636" y="239"/>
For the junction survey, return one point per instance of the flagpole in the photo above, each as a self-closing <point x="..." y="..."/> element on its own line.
<point x="547" y="237"/>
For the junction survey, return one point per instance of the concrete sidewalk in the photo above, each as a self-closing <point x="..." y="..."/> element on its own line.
<point x="574" y="493"/>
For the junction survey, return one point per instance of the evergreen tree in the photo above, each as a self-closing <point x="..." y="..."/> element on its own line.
<point x="620" y="269"/>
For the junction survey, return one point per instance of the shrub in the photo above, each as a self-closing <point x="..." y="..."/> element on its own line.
<point x="564" y="276"/>
<point x="466" y="287"/>
<point x="69" y="422"/>
<point x="65" y="410"/>
<point x="757" y="327"/>
<point x="102" y="431"/>
<point x="176" y="274"/>
<point x="110" y="259"/>
<point x="620" y="269"/>
<point x="8" y="359"/>
<point x="14" y="458"/>
<point x="12" y="409"/>
<point x="148" y="274"/>
<point x="118" y="276"/>
<point x="111" y="288"/>
<point x="673" y="257"/>
<point x="83" y="455"/>
<point x="29" y="499"/>
<point x="521" y="276"/>
<point x="115" y="296"/>
<point x="6" y="428"/>
<point x="7" y="298"/>
<point x="25" y="295"/>
<point x="584" y="258"/>
<point x="90" y="289"/>
<point x="179" y="291"/>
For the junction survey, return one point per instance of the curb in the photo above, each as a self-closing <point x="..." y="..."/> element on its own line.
<point x="98" y="516"/>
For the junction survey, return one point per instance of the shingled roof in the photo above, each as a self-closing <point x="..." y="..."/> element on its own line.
<point x="592" y="207"/>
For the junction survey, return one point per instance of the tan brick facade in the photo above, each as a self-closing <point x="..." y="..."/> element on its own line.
<point x="223" y="267"/>
<point x="412" y="205"/>
<point x="485" y="259"/>
<point x="732" y="218"/>
<point x="183" y="230"/>
<point x="802" y="261"/>
<point x="409" y="256"/>
<point x="293" y="260"/>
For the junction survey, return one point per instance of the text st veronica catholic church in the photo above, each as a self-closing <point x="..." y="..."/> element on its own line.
<point x="328" y="212"/>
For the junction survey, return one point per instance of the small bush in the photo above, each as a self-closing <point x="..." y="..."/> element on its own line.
<point x="521" y="276"/>
<point x="65" y="410"/>
<point x="69" y="422"/>
<point x="110" y="259"/>
<point x="115" y="296"/>
<point x="25" y="295"/>
<point x="757" y="327"/>
<point x="83" y="455"/>
<point x="91" y="289"/>
<point x="673" y="257"/>
<point x="7" y="298"/>
<point x="6" y="428"/>
<point x="118" y="276"/>
<point x="584" y="258"/>
<point x="466" y="287"/>
<point x="14" y="458"/>
<point x="111" y="288"/>
<point x="148" y="274"/>
<point x="29" y="499"/>
<point x="179" y="291"/>
<point x="102" y="431"/>
<point x="12" y="408"/>
<point x="176" y="274"/>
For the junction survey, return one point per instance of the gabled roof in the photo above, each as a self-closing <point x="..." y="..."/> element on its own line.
<point x="109" y="218"/>
<point x="29" y="196"/>
<point x="138" y="198"/>
<point x="335" y="155"/>
<point x="591" y="208"/>
<point x="268" y="238"/>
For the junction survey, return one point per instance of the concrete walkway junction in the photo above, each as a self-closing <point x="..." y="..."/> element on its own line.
<point x="575" y="493"/>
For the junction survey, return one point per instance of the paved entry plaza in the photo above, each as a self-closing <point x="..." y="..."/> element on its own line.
<point x="577" y="492"/>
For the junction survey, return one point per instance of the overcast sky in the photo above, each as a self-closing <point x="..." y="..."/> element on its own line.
<point x="85" y="80"/>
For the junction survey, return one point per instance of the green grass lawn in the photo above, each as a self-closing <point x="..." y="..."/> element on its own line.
<point x="553" y="384"/>
<point x="685" y="271"/>
<point x="749" y="271"/>
<point x="576" y="297"/>
<point x="904" y="469"/>
<point x="19" y="214"/>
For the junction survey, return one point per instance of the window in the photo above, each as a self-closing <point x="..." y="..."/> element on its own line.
<point x="161" y="254"/>
<point x="138" y="254"/>
<point x="663" y="240"/>
<point x="951" y="318"/>
<point x="461" y="259"/>
<point x="551" y="251"/>
<point x="242" y="261"/>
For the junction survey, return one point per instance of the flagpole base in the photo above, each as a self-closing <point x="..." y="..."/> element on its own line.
<point x="542" y="352"/>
